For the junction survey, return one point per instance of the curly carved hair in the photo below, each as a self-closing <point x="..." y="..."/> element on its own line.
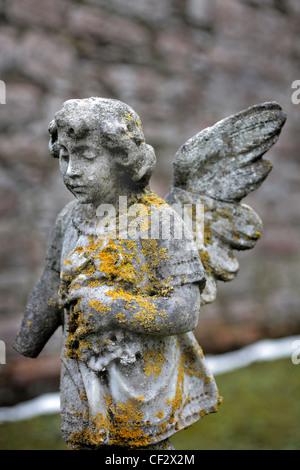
<point x="120" y="131"/>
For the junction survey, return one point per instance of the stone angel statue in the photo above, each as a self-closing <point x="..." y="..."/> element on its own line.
<point x="125" y="275"/>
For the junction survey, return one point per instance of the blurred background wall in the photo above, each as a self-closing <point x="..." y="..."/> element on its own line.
<point x="182" y="65"/>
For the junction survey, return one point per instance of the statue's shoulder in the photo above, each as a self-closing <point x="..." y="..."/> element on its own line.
<point x="67" y="210"/>
<point x="167" y="221"/>
<point x="155" y="205"/>
<point x="170" y="248"/>
<point x="65" y="215"/>
<point x="56" y="237"/>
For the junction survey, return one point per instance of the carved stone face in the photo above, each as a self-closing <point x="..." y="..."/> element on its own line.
<point x="87" y="167"/>
<point x="102" y="150"/>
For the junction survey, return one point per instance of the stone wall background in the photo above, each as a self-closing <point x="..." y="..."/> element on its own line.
<point x="183" y="65"/>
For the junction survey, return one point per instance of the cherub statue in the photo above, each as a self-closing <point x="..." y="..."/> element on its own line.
<point x="128" y="297"/>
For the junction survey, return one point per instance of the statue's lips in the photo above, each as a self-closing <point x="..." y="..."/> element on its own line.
<point x="76" y="188"/>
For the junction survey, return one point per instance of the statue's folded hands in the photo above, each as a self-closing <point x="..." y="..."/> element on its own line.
<point x="103" y="308"/>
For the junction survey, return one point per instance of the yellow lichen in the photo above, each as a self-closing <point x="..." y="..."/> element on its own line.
<point x="177" y="400"/>
<point x="225" y="212"/>
<point x="99" y="306"/>
<point x="83" y="396"/>
<point x="189" y="361"/>
<point x="130" y="270"/>
<point x="205" y="259"/>
<point x="236" y="235"/>
<point x="52" y="302"/>
<point x="154" y="360"/>
<point x="207" y="234"/>
<point x="123" y="424"/>
<point x="121" y="317"/>
<point x="131" y="273"/>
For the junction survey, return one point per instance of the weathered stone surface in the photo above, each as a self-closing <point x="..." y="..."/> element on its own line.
<point x="224" y="161"/>
<point x="248" y="55"/>
<point x="217" y="168"/>
<point x="133" y="373"/>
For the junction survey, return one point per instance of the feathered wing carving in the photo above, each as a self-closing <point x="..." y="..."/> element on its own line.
<point x="218" y="167"/>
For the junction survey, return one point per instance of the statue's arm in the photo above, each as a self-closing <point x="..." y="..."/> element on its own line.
<point x="173" y="314"/>
<point x="42" y="313"/>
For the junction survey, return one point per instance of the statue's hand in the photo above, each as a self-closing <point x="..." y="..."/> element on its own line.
<point x="97" y="350"/>
<point x="91" y="311"/>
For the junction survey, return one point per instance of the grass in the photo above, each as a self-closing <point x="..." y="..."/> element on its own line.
<point x="261" y="411"/>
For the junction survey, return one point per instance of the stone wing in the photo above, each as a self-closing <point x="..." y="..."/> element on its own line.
<point x="218" y="167"/>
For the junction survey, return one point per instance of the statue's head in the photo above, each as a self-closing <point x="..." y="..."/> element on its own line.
<point x="100" y="142"/>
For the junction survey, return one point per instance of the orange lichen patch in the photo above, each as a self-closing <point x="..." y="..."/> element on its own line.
<point x="138" y="221"/>
<point x="187" y="400"/>
<point x="236" y="235"/>
<point x="226" y="212"/>
<point x="121" y="317"/>
<point x="159" y="415"/>
<point x="151" y="198"/>
<point x="155" y="256"/>
<point x="186" y="366"/>
<point x="205" y="259"/>
<point x="256" y="236"/>
<point x="123" y="424"/>
<point x="77" y="323"/>
<point x="220" y="401"/>
<point x="154" y="253"/>
<point x="115" y="261"/>
<point x="207" y="234"/>
<point x="99" y="306"/>
<point x="154" y="360"/>
<point x="138" y="124"/>
<point x="189" y="360"/>
<point x="134" y="124"/>
<point x="163" y="427"/>
<point x="146" y="316"/>
<point x="177" y="400"/>
<point x="52" y="302"/>
<point x="118" y="260"/>
<point x="128" y="423"/>
<point x="129" y="267"/>
<point x="128" y="116"/>
<point x="83" y="396"/>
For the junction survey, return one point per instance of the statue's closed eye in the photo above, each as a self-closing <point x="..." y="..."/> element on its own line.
<point x="63" y="153"/>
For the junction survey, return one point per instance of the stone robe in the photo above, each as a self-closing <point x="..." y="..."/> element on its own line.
<point x="118" y="386"/>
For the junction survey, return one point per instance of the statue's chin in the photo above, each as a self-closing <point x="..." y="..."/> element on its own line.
<point x="82" y="197"/>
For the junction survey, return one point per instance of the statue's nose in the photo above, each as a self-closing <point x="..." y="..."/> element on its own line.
<point x="73" y="169"/>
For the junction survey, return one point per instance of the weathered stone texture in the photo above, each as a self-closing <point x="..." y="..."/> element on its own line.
<point x="183" y="65"/>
